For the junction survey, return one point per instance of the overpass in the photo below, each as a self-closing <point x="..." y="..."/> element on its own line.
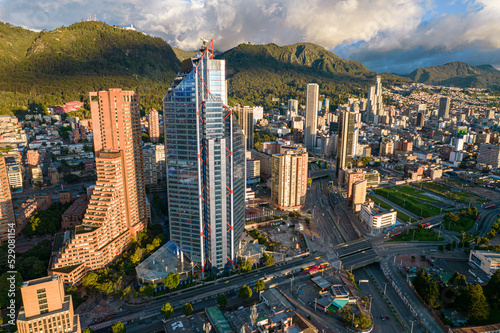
<point x="320" y="174"/>
<point x="356" y="254"/>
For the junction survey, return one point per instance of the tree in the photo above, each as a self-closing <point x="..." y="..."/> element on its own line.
<point x="454" y="244"/>
<point x="171" y="281"/>
<point x="269" y="259"/>
<point x="475" y="304"/>
<point x="441" y="248"/>
<point x="491" y="234"/>
<point x="245" y="292"/>
<point x="246" y="266"/>
<point x="361" y="321"/>
<point x="260" y="285"/>
<point x="448" y="247"/>
<point x="222" y="300"/>
<point x="88" y="330"/>
<point x="119" y="327"/>
<point x="187" y="309"/>
<point x="458" y="280"/>
<point x="483" y="241"/>
<point x="166" y="310"/>
<point x="366" y="160"/>
<point x="493" y="289"/>
<point x="426" y="287"/>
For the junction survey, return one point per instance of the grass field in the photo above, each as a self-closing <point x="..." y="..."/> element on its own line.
<point x="417" y="234"/>
<point x="411" y="199"/>
<point x="463" y="224"/>
<point x="401" y="216"/>
<point x="455" y="194"/>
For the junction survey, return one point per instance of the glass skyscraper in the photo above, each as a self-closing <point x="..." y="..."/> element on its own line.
<point x="205" y="158"/>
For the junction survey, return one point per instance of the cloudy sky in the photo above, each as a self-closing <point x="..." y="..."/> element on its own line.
<point x="386" y="35"/>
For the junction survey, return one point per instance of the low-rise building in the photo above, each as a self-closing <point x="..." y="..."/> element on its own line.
<point x="378" y="220"/>
<point x="487" y="261"/>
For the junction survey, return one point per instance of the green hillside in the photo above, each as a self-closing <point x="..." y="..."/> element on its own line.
<point x="181" y="54"/>
<point x="458" y="74"/>
<point x="257" y="73"/>
<point x="64" y="64"/>
<point x="53" y="67"/>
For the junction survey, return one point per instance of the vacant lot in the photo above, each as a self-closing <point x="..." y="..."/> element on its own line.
<point x="411" y="199"/>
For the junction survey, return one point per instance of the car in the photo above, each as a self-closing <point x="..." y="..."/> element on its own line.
<point x="387" y="317"/>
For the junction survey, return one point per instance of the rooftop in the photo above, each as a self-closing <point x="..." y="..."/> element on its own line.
<point x="276" y="301"/>
<point x="218" y="320"/>
<point x="167" y="259"/>
<point x="40" y="280"/>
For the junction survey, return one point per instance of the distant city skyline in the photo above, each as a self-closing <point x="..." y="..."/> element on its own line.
<point x="392" y="36"/>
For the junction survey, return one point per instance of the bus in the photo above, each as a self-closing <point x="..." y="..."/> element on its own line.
<point x="426" y="225"/>
<point x="395" y="235"/>
<point x="490" y="206"/>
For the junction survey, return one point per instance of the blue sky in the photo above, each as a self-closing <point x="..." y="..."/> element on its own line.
<point x="386" y="35"/>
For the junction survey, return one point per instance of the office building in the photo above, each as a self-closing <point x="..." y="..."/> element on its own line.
<point x="378" y="220"/>
<point x="7" y="217"/>
<point x="312" y="95"/>
<point x="352" y="177"/>
<point x="326" y="105"/>
<point x="154" y="126"/>
<point x="258" y="113"/>
<point x="490" y="114"/>
<point x="420" y="119"/>
<point x="346" y="140"/>
<point x="358" y="194"/>
<point x="117" y="207"/>
<point x="289" y="178"/>
<point x="293" y="108"/>
<point x="245" y="120"/>
<point x="205" y="156"/>
<point x="46" y="308"/>
<point x="489" y="154"/>
<point x="444" y="108"/>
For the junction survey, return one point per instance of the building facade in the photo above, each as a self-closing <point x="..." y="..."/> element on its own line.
<point x="205" y="157"/>
<point x="245" y="120"/>
<point x="489" y="154"/>
<point x="7" y="217"/>
<point x="378" y="220"/>
<point x="289" y="178"/>
<point x="154" y="126"/>
<point x="312" y="107"/>
<point x="346" y="140"/>
<point x="46" y="308"/>
<point x="117" y="207"/>
<point x="444" y="108"/>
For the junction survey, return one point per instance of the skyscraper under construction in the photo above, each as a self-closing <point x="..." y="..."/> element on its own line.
<point x="204" y="150"/>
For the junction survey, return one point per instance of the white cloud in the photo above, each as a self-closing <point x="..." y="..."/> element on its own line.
<point x="357" y="27"/>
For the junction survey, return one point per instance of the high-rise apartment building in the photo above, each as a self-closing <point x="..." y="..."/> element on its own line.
<point x="312" y="106"/>
<point x="245" y="120"/>
<point x="375" y="99"/>
<point x="33" y="157"/>
<point x="289" y="178"/>
<point x="46" y="308"/>
<point x="205" y="156"/>
<point x="346" y="140"/>
<point x="444" y="108"/>
<point x="154" y="126"/>
<point x="15" y="173"/>
<point x="358" y="194"/>
<point x="7" y="217"/>
<point x="117" y="207"/>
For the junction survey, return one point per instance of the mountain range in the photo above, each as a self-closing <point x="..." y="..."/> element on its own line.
<point x="458" y="74"/>
<point x="53" y="67"/>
